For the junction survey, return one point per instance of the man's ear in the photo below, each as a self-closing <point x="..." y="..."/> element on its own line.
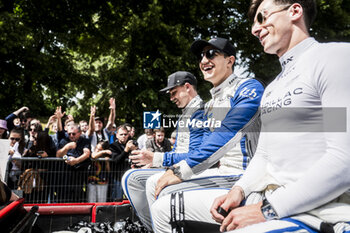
<point x="296" y="11"/>
<point x="232" y="60"/>
<point x="188" y="86"/>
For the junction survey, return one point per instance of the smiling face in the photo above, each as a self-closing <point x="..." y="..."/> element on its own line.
<point x="216" y="69"/>
<point x="275" y="29"/>
<point x="180" y="96"/>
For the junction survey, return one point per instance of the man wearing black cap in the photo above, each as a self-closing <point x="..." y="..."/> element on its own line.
<point x="182" y="87"/>
<point x="235" y="103"/>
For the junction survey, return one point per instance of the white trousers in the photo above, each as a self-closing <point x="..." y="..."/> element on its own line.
<point x="139" y="186"/>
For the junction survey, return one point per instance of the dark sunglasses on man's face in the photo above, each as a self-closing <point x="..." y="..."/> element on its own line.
<point x="17" y="139"/>
<point x="209" y="54"/>
<point x="71" y="134"/>
<point x="261" y="17"/>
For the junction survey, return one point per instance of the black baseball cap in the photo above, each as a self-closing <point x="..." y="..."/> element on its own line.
<point x="180" y="78"/>
<point x="220" y="43"/>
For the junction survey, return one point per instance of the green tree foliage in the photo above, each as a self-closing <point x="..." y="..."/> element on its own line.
<point x="55" y="51"/>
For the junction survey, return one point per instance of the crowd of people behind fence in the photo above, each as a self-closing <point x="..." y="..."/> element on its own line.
<point x="81" y="175"/>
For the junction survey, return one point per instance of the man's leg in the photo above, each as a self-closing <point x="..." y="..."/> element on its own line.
<point x="197" y="205"/>
<point x="151" y="187"/>
<point x="210" y="178"/>
<point x="134" y="186"/>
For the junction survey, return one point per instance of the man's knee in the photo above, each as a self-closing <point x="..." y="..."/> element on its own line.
<point x="160" y="212"/>
<point x="151" y="185"/>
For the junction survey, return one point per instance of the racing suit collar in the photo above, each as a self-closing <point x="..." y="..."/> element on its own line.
<point x="193" y="103"/>
<point x="290" y="57"/>
<point x="215" y="91"/>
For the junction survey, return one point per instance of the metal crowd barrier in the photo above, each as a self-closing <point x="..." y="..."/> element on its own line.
<point x="52" y="180"/>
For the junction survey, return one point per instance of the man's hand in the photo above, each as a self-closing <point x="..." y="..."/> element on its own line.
<point x="238" y="217"/>
<point x="129" y="146"/>
<point x="228" y="201"/>
<point x="142" y="157"/>
<point x="59" y="113"/>
<point x="168" y="178"/>
<point x="242" y="217"/>
<point x="71" y="161"/>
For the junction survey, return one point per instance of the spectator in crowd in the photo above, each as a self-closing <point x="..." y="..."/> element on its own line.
<point x="96" y="131"/>
<point x="120" y="153"/>
<point x="77" y="149"/>
<point x="62" y="130"/>
<point x="3" y="129"/>
<point x="141" y="141"/>
<point x="42" y="146"/>
<point x="98" y="180"/>
<point x="34" y="128"/>
<point x="17" y="148"/>
<point x="232" y="139"/>
<point x="40" y="170"/>
<point x="51" y="126"/>
<point x="182" y="87"/>
<point x="83" y="126"/>
<point x="158" y="143"/>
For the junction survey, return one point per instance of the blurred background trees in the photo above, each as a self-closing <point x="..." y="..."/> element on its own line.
<point x="77" y="53"/>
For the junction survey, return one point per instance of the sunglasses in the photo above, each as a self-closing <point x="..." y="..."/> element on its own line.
<point x="261" y="17"/>
<point x="73" y="134"/>
<point x="209" y="54"/>
<point x="17" y="139"/>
